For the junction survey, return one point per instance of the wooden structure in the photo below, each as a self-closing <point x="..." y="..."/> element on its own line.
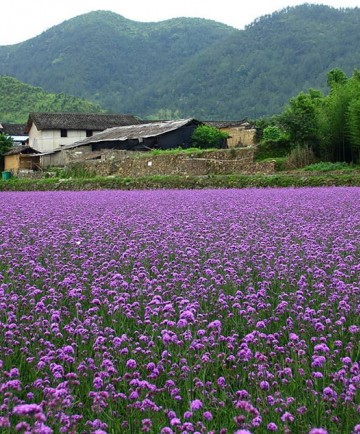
<point x="22" y="158"/>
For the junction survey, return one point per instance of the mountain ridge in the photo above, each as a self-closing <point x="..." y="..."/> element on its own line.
<point x="18" y="99"/>
<point x="189" y="67"/>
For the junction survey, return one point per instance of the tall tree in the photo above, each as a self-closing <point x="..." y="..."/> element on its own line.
<point x="339" y="122"/>
<point x="353" y="115"/>
<point x="336" y="77"/>
<point x="300" y="119"/>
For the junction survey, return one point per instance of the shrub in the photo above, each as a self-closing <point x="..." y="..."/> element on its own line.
<point x="205" y="137"/>
<point x="271" y="150"/>
<point x="274" y="144"/>
<point x="76" y="170"/>
<point x="299" y="157"/>
<point x="327" y="166"/>
<point x="272" y="134"/>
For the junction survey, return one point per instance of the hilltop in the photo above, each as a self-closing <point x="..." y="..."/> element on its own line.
<point x="18" y="99"/>
<point x="188" y="66"/>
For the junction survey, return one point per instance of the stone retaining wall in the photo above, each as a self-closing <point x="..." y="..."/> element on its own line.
<point x="222" y="162"/>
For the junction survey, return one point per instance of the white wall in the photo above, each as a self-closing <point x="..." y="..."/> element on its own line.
<point x="49" y="140"/>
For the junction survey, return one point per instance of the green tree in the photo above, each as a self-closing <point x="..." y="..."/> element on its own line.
<point x="339" y="118"/>
<point x="6" y="143"/>
<point x="206" y="136"/>
<point x="272" y="133"/>
<point x="300" y="119"/>
<point x="274" y="143"/>
<point x="353" y="119"/>
<point x="335" y="142"/>
<point x="335" y="77"/>
<point x="354" y="127"/>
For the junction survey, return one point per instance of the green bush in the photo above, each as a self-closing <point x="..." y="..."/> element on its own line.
<point x="299" y="157"/>
<point x="267" y="150"/>
<point x="272" y="134"/>
<point x="76" y="170"/>
<point x="205" y="137"/>
<point x="327" y="166"/>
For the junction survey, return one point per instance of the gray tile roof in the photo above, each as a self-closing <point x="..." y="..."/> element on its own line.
<point x="228" y="124"/>
<point x="152" y="129"/>
<point x="22" y="150"/>
<point x="12" y="129"/>
<point x="79" y="121"/>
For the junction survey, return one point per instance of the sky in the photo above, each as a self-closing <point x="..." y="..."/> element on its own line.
<point x="25" y="19"/>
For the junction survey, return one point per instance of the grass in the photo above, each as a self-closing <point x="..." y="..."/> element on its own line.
<point x="298" y="179"/>
<point x="327" y="166"/>
<point x="175" y="151"/>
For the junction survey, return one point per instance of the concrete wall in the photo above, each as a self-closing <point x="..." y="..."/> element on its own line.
<point x="222" y="162"/>
<point x="49" y="140"/>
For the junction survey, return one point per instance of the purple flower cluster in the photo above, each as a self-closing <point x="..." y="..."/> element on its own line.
<point x="213" y="311"/>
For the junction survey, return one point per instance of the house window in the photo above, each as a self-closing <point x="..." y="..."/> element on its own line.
<point x="89" y="133"/>
<point x="63" y="133"/>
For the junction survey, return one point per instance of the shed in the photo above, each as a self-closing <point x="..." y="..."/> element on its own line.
<point x="143" y="137"/>
<point x="22" y="158"/>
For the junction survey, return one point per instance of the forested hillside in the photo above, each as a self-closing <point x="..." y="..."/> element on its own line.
<point x="190" y="67"/>
<point x="17" y="100"/>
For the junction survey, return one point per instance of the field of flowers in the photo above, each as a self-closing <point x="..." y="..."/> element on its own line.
<point x="212" y="311"/>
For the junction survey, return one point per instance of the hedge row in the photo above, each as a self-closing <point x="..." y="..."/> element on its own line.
<point x="181" y="182"/>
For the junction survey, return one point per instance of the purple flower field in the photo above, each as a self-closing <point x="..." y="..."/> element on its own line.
<point x="210" y="311"/>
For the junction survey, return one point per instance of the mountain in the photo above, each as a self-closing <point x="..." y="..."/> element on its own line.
<point x="256" y="71"/>
<point x="106" y="57"/>
<point x="18" y="99"/>
<point x="188" y="66"/>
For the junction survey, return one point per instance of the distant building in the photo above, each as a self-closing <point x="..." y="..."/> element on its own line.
<point x="142" y="137"/>
<point x="16" y="132"/>
<point x="241" y="133"/>
<point x="50" y="131"/>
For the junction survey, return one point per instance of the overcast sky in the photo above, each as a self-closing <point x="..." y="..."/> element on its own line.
<point x="24" y="19"/>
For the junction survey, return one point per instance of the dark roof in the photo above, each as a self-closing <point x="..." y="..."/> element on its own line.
<point x="12" y="129"/>
<point x="229" y="124"/>
<point x="79" y="121"/>
<point x="22" y="150"/>
<point x="152" y="129"/>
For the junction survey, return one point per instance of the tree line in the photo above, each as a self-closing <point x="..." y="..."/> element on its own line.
<point x="328" y="125"/>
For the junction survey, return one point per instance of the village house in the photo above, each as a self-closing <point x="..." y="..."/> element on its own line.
<point x="15" y="131"/>
<point x="142" y="137"/>
<point x="50" y="131"/>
